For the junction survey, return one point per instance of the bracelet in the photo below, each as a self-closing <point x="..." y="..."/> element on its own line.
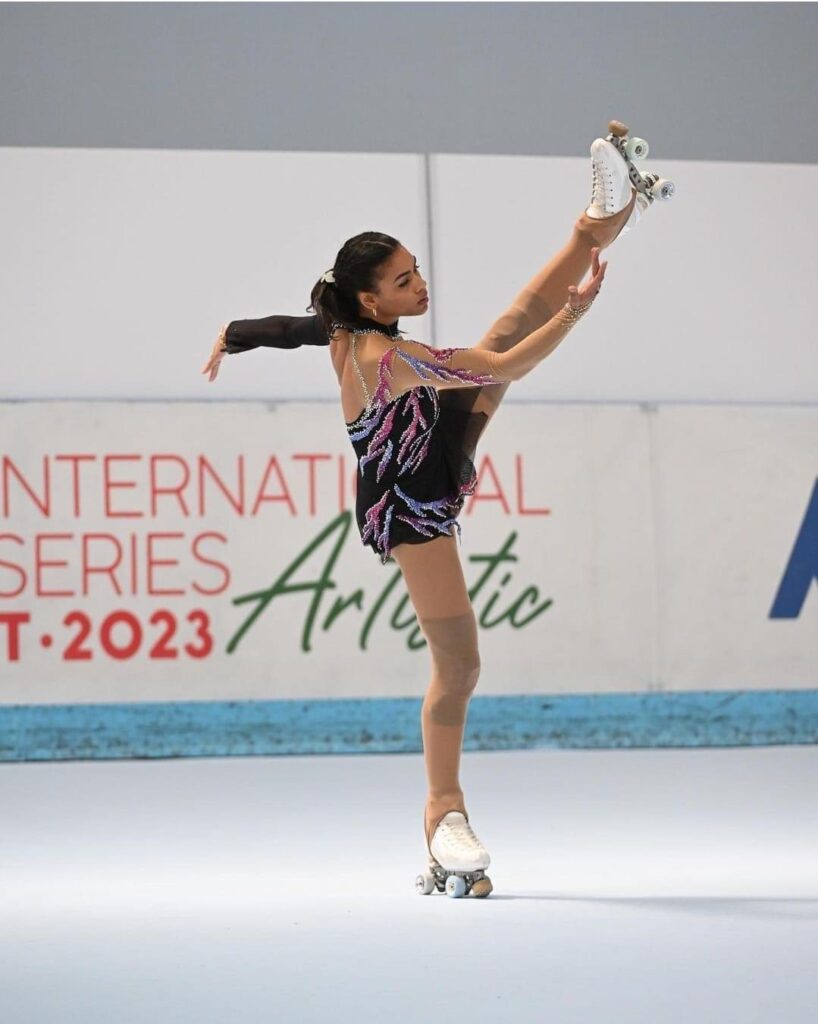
<point x="570" y="314"/>
<point x="223" y="339"/>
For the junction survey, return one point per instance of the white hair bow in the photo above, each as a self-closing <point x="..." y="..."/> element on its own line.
<point x="328" y="276"/>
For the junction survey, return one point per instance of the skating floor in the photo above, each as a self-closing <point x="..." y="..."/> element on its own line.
<point x="630" y="886"/>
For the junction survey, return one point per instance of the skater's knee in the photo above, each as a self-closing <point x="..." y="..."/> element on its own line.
<point x="458" y="677"/>
<point x="453" y="644"/>
<point x="456" y="665"/>
<point x="507" y="330"/>
<point x="447" y="699"/>
<point x="588" y="232"/>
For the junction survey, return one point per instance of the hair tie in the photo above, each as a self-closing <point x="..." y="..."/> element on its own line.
<point x="329" y="277"/>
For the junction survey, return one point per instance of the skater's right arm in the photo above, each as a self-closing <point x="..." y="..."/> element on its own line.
<point x="530" y="351"/>
<point x="525" y="355"/>
<point x="416" y="363"/>
<point x="278" y="331"/>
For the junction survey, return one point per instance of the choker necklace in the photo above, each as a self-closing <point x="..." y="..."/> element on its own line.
<point x="363" y="325"/>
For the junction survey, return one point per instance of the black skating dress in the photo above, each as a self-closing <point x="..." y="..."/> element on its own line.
<point x="415" y="451"/>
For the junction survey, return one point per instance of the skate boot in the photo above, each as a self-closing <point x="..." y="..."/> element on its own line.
<point x="616" y="176"/>
<point x="456" y="857"/>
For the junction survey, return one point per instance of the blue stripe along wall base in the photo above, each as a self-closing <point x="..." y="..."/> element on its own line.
<point x="707" y="718"/>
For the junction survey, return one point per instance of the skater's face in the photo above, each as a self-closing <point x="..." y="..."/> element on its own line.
<point x="402" y="289"/>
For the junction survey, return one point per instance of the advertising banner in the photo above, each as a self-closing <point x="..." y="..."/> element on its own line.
<point x="208" y="551"/>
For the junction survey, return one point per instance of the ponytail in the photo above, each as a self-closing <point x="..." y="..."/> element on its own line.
<point x="355" y="270"/>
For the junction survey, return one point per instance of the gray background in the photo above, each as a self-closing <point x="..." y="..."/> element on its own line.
<point x="701" y="81"/>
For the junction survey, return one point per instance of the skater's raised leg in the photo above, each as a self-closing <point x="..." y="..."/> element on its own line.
<point x="614" y="204"/>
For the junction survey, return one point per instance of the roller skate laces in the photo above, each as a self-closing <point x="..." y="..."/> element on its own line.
<point x="611" y="184"/>
<point x="455" y="846"/>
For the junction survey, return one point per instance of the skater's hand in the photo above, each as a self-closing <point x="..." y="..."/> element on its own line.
<point x="215" y="357"/>
<point x="588" y="291"/>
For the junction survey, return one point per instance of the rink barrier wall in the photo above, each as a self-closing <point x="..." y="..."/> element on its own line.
<point x="163" y="729"/>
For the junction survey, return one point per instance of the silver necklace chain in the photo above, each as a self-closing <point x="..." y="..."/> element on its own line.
<point x="358" y="368"/>
<point x="355" y="331"/>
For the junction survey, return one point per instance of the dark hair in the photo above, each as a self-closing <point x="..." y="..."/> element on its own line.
<point x="355" y="270"/>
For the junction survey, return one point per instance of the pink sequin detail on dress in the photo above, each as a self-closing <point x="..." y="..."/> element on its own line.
<point x="397" y="435"/>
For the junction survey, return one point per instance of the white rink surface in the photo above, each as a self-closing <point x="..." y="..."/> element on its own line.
<point x="630" y="886"/>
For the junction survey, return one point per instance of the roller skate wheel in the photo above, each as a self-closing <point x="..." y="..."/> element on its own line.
<point x="636" y="149"/>
<point x="482" y="887"/>
<point x="455" y="886"/>
<point x="618" y="128"/>
<point x="425" y="883"/>
<point x="663" y="189"/>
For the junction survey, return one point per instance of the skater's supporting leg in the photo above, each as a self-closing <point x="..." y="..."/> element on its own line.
<point x="437" y="588"/>
<point x="455" y="670"/>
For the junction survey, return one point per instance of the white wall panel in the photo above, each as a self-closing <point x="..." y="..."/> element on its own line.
<point x="119" y="266"/>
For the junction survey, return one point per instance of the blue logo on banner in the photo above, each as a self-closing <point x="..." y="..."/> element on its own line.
<point x="802" y="567"/>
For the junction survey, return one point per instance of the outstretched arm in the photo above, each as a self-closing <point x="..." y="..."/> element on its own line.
<point x="277" y="331"/>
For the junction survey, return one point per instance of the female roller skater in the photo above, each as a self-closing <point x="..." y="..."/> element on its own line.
<point x="414" y="415"/>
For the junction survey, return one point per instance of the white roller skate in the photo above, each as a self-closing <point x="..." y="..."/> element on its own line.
<point x="616" y="176"/>
<point x="457" y="860"/>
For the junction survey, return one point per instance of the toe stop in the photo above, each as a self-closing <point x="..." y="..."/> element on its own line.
<point x="482" y="887"/>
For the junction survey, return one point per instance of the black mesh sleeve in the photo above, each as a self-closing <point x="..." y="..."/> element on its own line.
<point x="278" y="331"/>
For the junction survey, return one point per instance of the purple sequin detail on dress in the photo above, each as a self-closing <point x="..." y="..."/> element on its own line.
<point x="377" y="425"/>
